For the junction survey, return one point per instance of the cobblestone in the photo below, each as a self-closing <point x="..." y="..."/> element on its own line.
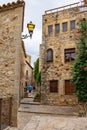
<point x="39" y="122"/>
<point x="43" y="117"/>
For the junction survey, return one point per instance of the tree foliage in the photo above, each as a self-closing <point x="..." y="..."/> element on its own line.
<point x="78" y="73"/>
<point x="37" y="74"/>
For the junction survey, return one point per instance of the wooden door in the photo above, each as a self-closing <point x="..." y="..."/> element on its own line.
<point x="53" y="86"/>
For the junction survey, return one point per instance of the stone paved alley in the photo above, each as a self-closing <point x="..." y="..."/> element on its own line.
<point x="41" y="122"/>
<point x="34" y="116"/>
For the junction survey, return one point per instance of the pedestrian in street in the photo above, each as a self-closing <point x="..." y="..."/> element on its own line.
<point x="30" y="88"/>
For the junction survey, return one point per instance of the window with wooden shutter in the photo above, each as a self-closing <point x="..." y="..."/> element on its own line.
<point x="69" y="87"/>
<point x="26" y="83"/>
<point x="53" y="86"/>
<point x="69" y="54"/>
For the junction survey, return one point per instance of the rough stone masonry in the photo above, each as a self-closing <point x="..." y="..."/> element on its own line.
<point x="11" y="23"/>
<point x="57" y="71"/>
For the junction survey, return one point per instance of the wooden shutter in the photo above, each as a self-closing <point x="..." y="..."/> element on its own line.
<point x="69" y="54"/>
<point x="69" y="87"/>
<point x="54" y="86"/>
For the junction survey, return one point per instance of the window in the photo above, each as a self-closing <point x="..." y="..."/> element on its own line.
<point x="26" y="72"/>
<point x="57" y="28"/>
<point x="53" y="86"/>
<point x="69" y="54"/>
<point x="72" y="25"/>
<point x="49" y="55"/>
<point x="64" y="25"/>
<point x="26" y="83"/>
<point x="50" y="29"/>
<point x="69" y="87"/>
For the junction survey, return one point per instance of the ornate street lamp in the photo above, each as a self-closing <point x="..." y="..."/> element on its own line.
<point x="30" y="27"/>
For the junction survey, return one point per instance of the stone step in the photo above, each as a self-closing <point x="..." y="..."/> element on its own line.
<point x="46" y="109"/>
<point x="29" y="101"/>
<point x="11" y="128"/>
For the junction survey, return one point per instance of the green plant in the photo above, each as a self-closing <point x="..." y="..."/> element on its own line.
<point x="78" y="73"/>
<point x="37" y="73"/>
<point x="37" y="96"/>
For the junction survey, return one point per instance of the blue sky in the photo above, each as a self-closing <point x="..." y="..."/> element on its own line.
<point x="34" y="9"/>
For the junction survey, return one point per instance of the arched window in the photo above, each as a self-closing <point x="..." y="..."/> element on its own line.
<point x="50" y="55"/>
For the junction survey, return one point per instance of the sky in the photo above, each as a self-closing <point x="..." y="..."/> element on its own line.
<point x="34" y="9"/>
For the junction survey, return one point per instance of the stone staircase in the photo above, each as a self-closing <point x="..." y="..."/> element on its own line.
<point x="29" y="106"/>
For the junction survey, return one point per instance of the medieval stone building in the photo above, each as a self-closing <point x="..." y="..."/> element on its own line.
<point x="26" y="76"/>
<point x="58" y="51"/>
<point x="11" y="24"/>
<point x="28" y="71"/>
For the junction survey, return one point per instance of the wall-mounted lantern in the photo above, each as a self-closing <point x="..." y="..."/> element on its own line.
<point x="30" y="27"/>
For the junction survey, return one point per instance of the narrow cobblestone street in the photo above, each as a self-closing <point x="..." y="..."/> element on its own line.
<point x="29" y="121"/>
<point x="27" y="105"/>
<point x="34" y="116"/>
<point x="43" y="70"/>
<point x="38" y="122"/>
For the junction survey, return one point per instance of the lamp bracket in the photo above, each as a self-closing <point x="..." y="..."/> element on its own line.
<point x="25" y="36"/>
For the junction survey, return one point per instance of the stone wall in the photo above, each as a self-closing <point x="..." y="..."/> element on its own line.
<point x="11" y="20"/>
<point x="5" y="112"/>
<point x="26" y="75"/>
<point x="29" y="69"/>
<point x="22" y="72"/>
<point x="58" y="69"/>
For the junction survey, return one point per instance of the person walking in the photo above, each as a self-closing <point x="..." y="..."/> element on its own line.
<point x="30" y="88"/>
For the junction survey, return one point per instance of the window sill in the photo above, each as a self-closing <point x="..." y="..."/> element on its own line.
<point x="70" y="94"/>
<point x="49" y="61"/>
<point x="49" y="35"/>
<point x="68" y="62"/>
<point x="53" y="92"/>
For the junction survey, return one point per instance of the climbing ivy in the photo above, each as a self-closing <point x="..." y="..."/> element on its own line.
<point x="79" y="75"/>
<point x="37" y="74"/>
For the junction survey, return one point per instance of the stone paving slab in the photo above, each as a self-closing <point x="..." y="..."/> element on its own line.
<point x="23" y="119"/>
<point x="38" y="122"/>
<point x="29" y="100"/>
<point x="46" y="109"/>
<point x="12" y="128"/>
